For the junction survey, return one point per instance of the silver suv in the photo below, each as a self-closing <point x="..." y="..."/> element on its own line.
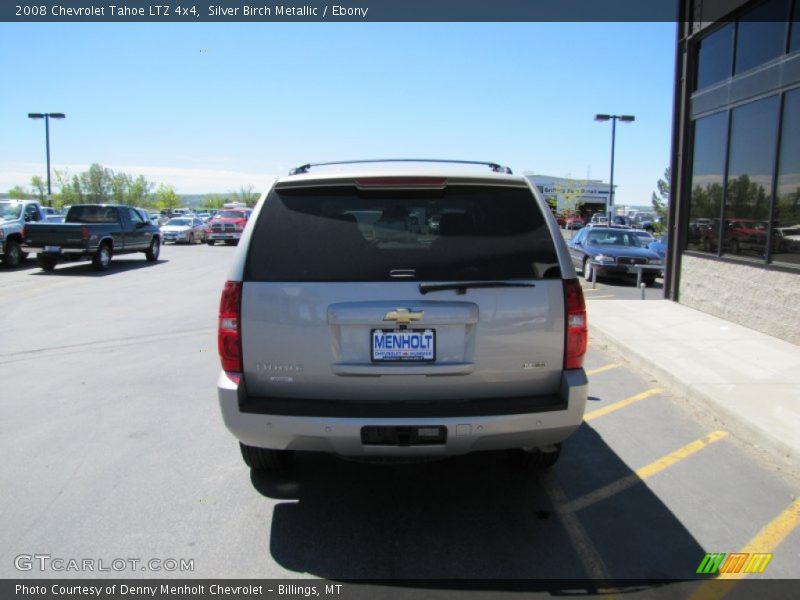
<point x="350" y="324"/>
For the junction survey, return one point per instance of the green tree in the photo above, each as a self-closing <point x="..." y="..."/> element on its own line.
<point x="96" y="184"/>
<point x="140" y="192"/>
<point x="18" y="193"/>
<point x="214" y="201"/>
<point x="660" y="200"/>
<point x="167" y="198"/>
<point x="119" y="184"/>
<point x="39" y="188"/>
<point x="570" y="198"/>
<point x="67" y="194"/>
<point x="245" y="195"/>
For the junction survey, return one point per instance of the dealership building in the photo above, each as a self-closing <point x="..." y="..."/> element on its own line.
<point x="734" y="237"/>
<point x="586" y="196"/>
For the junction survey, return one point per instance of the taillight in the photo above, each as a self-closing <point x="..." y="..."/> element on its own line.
<point x="229" y="339"/>
<point x="577" y="333"/>
<point x="85" y="233"/>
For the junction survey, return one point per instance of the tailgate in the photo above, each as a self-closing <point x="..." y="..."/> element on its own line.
<point x="55" y="234"/>
<point x="316" y="340"/>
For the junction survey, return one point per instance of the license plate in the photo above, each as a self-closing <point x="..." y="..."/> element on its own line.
<point x="52" y="248"/>
<point x="403" y="345"/>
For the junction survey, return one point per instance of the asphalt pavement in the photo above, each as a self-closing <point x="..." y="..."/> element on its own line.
<point x="113" y="447"/>
<point x="750" y="379"/>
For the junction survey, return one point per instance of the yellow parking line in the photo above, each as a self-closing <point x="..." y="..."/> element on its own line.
<point x="765" y="542"/>
<point x="604" y="368"/>
<point x="645" y="472"/>
<point x="590" y="558"/>
<point x="621" y="404"/>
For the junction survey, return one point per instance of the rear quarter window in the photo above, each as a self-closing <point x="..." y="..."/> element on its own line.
<point x="92" y="214"/>
<point x="460" y="233"/>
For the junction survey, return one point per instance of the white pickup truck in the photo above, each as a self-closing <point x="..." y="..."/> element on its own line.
<point x="13" y="216"/>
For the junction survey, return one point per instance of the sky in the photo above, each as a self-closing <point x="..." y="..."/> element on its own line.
<point x="211" y="107"/>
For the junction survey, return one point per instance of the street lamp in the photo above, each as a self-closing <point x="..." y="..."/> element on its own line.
<point x="624" y="119"/>
<point x="47" y="117"/>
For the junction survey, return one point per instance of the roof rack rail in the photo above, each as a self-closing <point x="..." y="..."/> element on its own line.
<point x="492" y="165"/>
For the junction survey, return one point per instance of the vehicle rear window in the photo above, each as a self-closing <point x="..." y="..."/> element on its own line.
<point x="92" y="214"/>
<point x="460" y="233"/>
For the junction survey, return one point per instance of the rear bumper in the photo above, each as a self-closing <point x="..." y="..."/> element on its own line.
<point x="548" y="420"/>
<point x="72" y="252"/>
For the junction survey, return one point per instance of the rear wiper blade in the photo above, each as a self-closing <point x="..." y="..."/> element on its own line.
<point x="461" y="288"/>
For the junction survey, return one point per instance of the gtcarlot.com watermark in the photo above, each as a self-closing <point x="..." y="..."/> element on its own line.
<point x="48" y="563"/>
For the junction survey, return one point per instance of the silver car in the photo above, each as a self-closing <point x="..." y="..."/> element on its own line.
<point x="337" y="334"/>
<point x="184" y="229"/>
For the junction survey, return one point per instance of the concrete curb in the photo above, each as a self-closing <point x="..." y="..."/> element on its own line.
<point x="747" y="431"/>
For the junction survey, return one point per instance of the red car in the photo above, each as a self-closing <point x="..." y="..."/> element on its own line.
<point x="575" y="223"/>
<point x="227" y="226"/>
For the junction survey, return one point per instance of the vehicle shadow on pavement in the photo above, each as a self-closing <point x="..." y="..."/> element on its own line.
<point x="474" y="518"/>
<point x="25" y="265"/>
<point x="85" y="269"/>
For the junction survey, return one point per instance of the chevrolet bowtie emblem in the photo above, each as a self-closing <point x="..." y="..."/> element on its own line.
<point x="403" y="316"/>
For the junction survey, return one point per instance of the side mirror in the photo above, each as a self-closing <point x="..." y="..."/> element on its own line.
<point x="577" y="243"/>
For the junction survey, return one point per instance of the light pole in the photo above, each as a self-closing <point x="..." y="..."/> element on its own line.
<point x="624" y="119"/>
<point x="47" y="117"/>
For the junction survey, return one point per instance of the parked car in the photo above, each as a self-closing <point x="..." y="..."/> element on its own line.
<point x="659" y="246"/>
<point x="54" y="218"/>
<point x="644" y="236"/>
<point x="227" y="226"/>
<point x="619" y="220"/>
<point x="562" y="222"/>
<point x="575" y="222"/>
<point x="613" y="251"/>
<point x="184" y="229"/>
<point x="469" y="338"/>
<point x="14" y="214"/>
<point x="92" y="231"/>
<point x="787" y="239"/>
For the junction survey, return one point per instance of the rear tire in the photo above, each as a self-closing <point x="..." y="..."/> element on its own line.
<point x="46" y="263"/>
<point x="102" y="258"/>
<point x="153" y="250"/>
<point x="265" y="459"/>
<point x="587" y="269"/>
<point x="534" y="458"/>
<point x="210" y="242"/>
<point x="13" y="255"/>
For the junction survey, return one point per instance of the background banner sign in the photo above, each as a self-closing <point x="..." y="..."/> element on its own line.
<point x="360" y="11"/>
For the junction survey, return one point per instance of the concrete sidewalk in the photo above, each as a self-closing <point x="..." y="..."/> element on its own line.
<point x="749" y="379"/>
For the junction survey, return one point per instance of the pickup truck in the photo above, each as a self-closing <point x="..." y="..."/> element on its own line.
<point x="92" y="231"/>
<point x="14" y="214"/>
<point x="227" y="226"/>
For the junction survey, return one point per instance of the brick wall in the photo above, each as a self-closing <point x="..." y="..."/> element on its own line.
<point x="767" y="301"/>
